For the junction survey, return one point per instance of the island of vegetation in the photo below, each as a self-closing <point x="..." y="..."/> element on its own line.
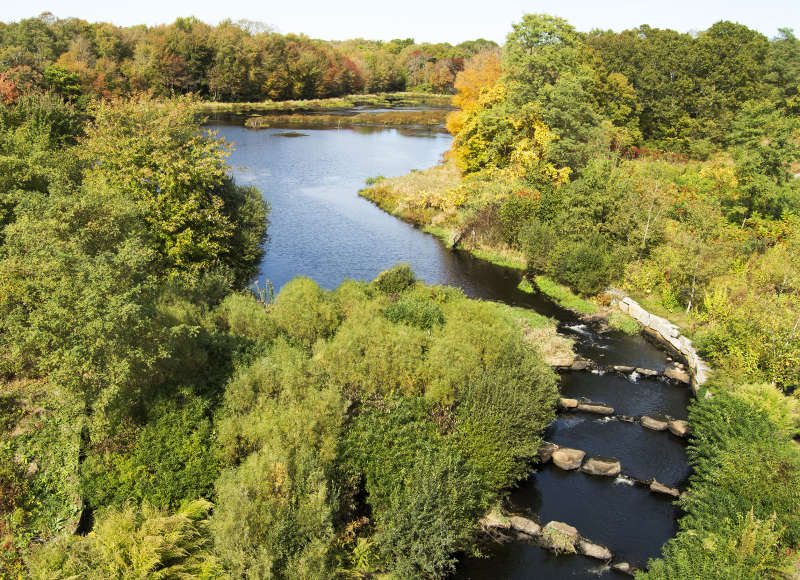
<point x="667" y="165"/>
<point x="159" y="419"/>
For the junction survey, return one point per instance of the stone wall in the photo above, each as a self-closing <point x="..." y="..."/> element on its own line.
<point x="665" y="332"/>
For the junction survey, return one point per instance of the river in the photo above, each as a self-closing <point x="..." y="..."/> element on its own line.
<point x="321" y="228"/>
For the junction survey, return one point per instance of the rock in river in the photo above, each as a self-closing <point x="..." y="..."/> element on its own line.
<point x="546" y="452"/>
<point x="567" y="458"/>
<point x="607" y="466"/>
<point x="561" y="537"/>
<point x="524" y="525"/>
<point x="678" y="375"/>
<point x="565" y="403"/>
<point x="657" y="487"/>
<point x="598" y="409"/>
<point x="655" y="422"/>
<point x="594" y="550"/>
<point x="679" y="427"/>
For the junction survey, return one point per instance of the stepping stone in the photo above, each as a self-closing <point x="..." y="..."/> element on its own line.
<point x="495" y="520"/>
<point x="565" y="403"/>
<point x="546" y="452"/>
<point x="679" y="427"/>
<point x="655" y="422"/>
<point x="624" y="369"/>
<point x="647" y="372"/>
<point x="657" y="487"/>
<point x="597" y="409"/>
<point x="594" y="550"/>
<point x="579" y="365"/>
<point x="678" y="375"/>
<point x="561" y="537"/>
<point x="624" y="567"/>
<point x="524" y="525"/>
<point x="568" y="459"/>
<point x="606" y="466"/>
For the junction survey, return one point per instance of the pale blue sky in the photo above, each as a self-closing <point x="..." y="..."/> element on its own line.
<point x="424" y="20"/>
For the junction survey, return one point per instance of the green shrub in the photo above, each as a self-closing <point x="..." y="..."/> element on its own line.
<point x="584" y="265"/>
<point x="134" y="542"/>
<point x="743" y="512"/>
<point x="431" y="517"/>
<point x="500" y="415"/>
<point x="169" y="460"/>
<point x="745" y="548"/>
<point x="514" y="214"/>
<point x="275" y="515"/>
<point x="395" y="280"/>
<point x="415" y="311"/>
<point x="474" y="337"/>
<point x="371" y="355"/>
<point x="305" y="312"/>
<point x="242" y="314"/>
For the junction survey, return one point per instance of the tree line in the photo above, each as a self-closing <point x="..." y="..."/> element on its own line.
<point x="233" y="61"/>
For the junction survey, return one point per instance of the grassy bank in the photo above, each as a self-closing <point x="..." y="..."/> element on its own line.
<point x="431" y="118"/>
<point x="381" y="100"/>
<point x="432" y="199"/>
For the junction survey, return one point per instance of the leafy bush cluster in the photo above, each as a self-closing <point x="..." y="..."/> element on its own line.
<point x="366" y="450"/>
<point x="743" y="512"/>
<point x="367" y="437"/>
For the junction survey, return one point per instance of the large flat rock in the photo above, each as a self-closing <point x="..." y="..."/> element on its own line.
<point x="568" y="459"/>
<point x="677" y="374"/>
<point x="657" y="487"/>
<point x="524" y="525"/>
<point x="679" y="427"/>
<point x="596" y="551"/>
<point x="566" y="403"/>
<point x="607" y="466"/>
<point x="595" y="408"/>
<point x="655" y="422"/>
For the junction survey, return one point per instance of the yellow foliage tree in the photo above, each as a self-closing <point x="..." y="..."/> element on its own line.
<point x="481" y="72"/>
<point x="495" y="135"/>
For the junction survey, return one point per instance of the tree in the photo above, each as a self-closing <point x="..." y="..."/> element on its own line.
<point x="155" y="153"/>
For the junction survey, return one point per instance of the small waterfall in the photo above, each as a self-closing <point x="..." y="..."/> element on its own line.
<point x="624" y="480"/>
<point x="579" y="329"/>
<point x="634" y="377"/>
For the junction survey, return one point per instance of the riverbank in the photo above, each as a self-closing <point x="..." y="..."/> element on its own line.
<point x="429" y="199"/>
<point x="373" y="101"/>
<point x="433" y="119"/>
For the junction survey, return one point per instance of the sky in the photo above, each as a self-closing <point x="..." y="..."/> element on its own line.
<point x="424" y="20"/>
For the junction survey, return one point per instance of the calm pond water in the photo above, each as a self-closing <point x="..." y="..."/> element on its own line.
<point x="320" y="228"/>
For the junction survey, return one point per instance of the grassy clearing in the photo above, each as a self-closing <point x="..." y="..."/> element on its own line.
<point x="431" y="118"/>
<point x="406" y="99"/>
<point x="564" y="296"/>
<point x="540" y="332"/>
<point x="624" y="323"/>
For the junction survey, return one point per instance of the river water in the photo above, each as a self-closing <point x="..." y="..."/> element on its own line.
<point x="320" y="228"/>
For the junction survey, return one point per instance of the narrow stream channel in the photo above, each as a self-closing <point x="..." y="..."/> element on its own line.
<point x="320" y="228"/>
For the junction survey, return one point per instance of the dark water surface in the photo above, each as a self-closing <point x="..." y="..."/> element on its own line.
<point x="320" y="228"/>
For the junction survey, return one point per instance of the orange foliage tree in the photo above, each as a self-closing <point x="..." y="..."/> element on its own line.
<point x="481" y="71"/>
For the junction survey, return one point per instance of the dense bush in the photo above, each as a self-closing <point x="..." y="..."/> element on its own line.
<point x="341" y="456"/>
<point x="133" y="542"/>
<point x="415" y="311"/>
<point x="743" y="512"/>
<point x="395" y="280"/>
<point x="168" y="461"/>
<point x="305" y="312"/>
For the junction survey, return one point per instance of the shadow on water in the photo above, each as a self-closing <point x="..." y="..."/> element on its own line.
<point x="320" y="228"/>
